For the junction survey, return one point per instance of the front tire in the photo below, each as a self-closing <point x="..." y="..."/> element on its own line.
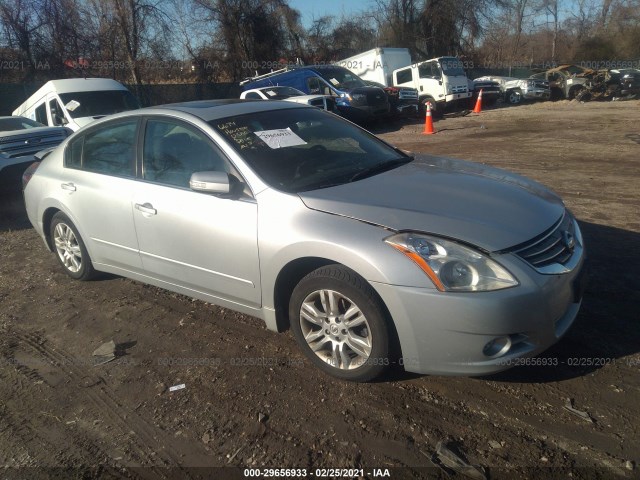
<point x="514" y="97"/>
<point x="340" y="324"/>
<point x="69" y="248"/>
<point x="435" y="110"/>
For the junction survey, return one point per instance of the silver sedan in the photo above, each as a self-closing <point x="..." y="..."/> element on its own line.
<point x="293" y="215"/>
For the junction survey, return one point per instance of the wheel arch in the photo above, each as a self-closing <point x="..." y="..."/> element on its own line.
<point x="574" y="90"/>
<point x="47" y="217"/>
<point x="294" y="271"/>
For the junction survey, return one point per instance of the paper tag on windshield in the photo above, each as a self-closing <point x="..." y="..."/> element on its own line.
<point x="282" y="137"/>
<point x="334" y="81"/>
<point x="72" y="105"/>
<point x="271" y="93"/>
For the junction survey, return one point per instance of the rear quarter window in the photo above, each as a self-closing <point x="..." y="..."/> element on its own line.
<point x="73" y="154"/>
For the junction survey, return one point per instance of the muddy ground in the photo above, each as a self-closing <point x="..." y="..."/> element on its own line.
<point x="252" y="400"/>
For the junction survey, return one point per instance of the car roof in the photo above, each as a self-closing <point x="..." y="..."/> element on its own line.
<point x="73" y="85"/>
<point x="208" y="110"/>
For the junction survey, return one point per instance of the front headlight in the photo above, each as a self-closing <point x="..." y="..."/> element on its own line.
<point x="451" y="266"/>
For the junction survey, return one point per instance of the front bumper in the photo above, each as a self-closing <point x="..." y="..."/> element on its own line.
<point x="536" y="94"/>
<point x="447" y="333"/>
<point x="457" y="96"/>
<point x="363" y="113"/>
<point x="405" y="109"/>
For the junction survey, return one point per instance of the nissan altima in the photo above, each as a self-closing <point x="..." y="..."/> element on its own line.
<point x="294" y="215"/>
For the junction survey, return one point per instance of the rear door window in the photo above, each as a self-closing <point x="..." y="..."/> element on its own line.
<point x="109" y="150"/>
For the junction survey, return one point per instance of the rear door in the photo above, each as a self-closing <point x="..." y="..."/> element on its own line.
<point x="97" y="186"/>
<point x="199" y="241"/>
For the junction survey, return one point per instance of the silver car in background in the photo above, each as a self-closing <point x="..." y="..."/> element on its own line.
<point x="298" y="217"/>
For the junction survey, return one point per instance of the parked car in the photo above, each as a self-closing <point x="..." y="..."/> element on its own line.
<point x="626" y="81"/>
<point x="76" y="102"/>
<point x="290" y="94"/>
<point x="20" y="139"/>
<point x="403" y="101"/>
<point x="296" y="216"/>
<point x="515" y="90"/>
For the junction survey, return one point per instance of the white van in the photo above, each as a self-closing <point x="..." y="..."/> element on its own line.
<point x="75" y="102"/>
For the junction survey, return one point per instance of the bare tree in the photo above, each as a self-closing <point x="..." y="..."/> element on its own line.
<point x="21" y="21"/>
<point x="130" y="28"/>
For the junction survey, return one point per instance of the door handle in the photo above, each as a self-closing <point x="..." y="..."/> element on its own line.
<point x="146" y="208"/>
<point x="68" y="186"/>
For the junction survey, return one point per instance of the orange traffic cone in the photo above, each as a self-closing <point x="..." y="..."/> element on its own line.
<point x="428" y="122"/>
<point x="478" y="107"/>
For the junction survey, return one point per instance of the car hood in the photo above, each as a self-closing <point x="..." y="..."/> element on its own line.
<point x="305" y="98"/>
<point x="24" y="143"/>
<point x="484" y="206"/>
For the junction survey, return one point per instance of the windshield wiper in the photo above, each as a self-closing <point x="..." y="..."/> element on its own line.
<point x="379" y="168"/>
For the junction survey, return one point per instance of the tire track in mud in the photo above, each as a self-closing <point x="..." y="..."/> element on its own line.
<point x="148" y="445"/>
<point x="33" y="439"/>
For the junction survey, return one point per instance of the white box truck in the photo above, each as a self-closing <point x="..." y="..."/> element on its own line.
<point x="440" y="81"/>
<point x="75" y="102"/>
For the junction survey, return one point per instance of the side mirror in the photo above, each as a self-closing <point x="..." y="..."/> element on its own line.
<point x="210" y="182"/>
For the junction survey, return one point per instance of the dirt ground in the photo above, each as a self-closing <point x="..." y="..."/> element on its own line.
<point x="252" y="400"/>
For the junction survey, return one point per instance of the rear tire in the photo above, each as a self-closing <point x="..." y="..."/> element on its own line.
<point x="70" y="249"/>
<point x="340" y="324"/>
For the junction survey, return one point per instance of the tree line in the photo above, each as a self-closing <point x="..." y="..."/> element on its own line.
<point x="176" y="41"/>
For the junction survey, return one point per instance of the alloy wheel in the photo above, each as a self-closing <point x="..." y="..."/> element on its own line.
<point x="67" y="247"/>
<point x="335" y="329"/>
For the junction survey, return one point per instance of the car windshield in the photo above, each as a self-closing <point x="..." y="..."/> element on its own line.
<point x="17" y="123"/>
<point x="302" y="149"/>
<point x="451" y="66"/>
<point x="279" y="93"/>
<point x="100" y="102"/>
<point x="340" y="78"/>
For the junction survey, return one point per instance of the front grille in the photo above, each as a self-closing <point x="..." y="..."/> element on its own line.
<point x="541" y="84"/>
<point x="553" y="246"/>
<point x="376" y="98"/>
<point x="459" y="89"/>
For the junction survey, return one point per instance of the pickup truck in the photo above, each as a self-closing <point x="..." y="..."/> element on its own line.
<point x="516" y="90"/>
